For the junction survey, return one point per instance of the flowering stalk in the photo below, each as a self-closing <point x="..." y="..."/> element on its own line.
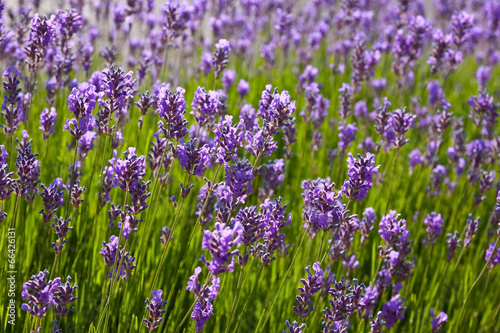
<point x="475" y="282"/>
<point x="263" y="319"/>
<point x="178" y="210"/>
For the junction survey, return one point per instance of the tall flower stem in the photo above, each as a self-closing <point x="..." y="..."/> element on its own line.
<point x="66" y="209"/>
<point x="321" y="246"/>
<point x="236" y="297"/>
<point x="390" y="181"/>
<point x="145" y="236"/>
<point x="474" y="284"/>
<point x="192" y="306"/>
<point x="165" y="248"/>
<point x="263" y="319"/>
<point x="193" y="231"/>
<point x="116" y="267"/>
<point x="242" y="314"/>
<point x="44" y="240"/>
<point x="424" y="278"/>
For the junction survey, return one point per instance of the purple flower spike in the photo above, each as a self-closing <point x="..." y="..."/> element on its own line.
<point x="322" y="210"/>
<point x="239" y="177"/>
<point x="275" y="108"/>
<point x="347" y="134"/>
<point x="82" y="102"/>
<point x="243" y="88"/>
<point x="205" y="294"/>
<point x="64" y="296"/>
<point x="453" y="243"/>
<point x="438" y="322"/>
<point x="12" y="107"/>
<point x="472" y="228"/>
<point x="155" y="309"/>
<point x="47" y="122"/>
<point x="205" y="105"/>
<point x="360" y="176"/>
<point x="194" y="160"/>
<point x="274" y="220"/>
<point x="219" y="244"/>
<point x="393" y="311"/>
<point x="220" y="56"/>
<point x="491" y="259"/>
<point x="28" y="170"/>
<point x="401" y="122"/>
<point x="172" y="107"/>
<point x="434" y="223"/>
<point x="227" y="139"/>
<point x="312" y="285"/>
<point x="294" y="327"/>
<point x="39" y="294"/>
<point x="52" y="198"/>
<point x="127" y="170"/>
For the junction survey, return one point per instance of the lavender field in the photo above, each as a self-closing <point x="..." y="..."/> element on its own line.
<point x="250" y="166"/>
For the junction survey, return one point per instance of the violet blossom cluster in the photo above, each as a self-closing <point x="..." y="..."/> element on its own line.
<point x="360" y="175"/>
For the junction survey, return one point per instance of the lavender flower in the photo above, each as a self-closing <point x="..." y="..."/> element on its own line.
<point x="294" y="327"/>
<point x="461" y="22"/>
<point x="166" y="234"/>
<point x="63" y="297"/>
<point x="393" y="310"/>
<point x="239" y="177"/>
<point x="39" y="294"/>
<point x="453" y="243"/>
<point x="204" y="105"/>
<point x="367" y="223"/>
<point x="243" y="88"/>
<point x="111" y="255"/>
<point x="205" y="294"/>
<point x="491" y="259"/>
<point x="41" y="35"/>
<point x="155" y="310"/>
<point x="360" y="176"/>
<point x="347" y="134"/>
<point x="344" y="301"/>
<point x="272" y="174"/>
<point x="172" y="107"/>
<point x="345" y="100"/>
<point x="220" y="56"/>
<point x="322" y="210"/>
<point x="127" y="170"/>
<point x="275" y="108"/>
<point x="401" y="122"/>
<point x="438" y="322"/>
<point x="472" y="228"/>
<point x="47" y="122"/>
<point x="81" y="102"/>
<point x="194" y="160"/>
<point x="218" y="243"/>
<point x="312" y="285"/>
<point x="86" y="144"/>
<point x="274" y="220"/>
<point x="52" y="198"/>
<point x="28" y="170"/>
<point x="12" y="107"/>
<point x="434" y="224"/>
<point x="227" y="139"/>
<point x="228" y="79"/>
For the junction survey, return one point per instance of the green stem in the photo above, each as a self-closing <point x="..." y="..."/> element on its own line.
<point x="236" y="298"/>
<point x="268" y="312"/>
<point x="474" y="284"/>
<point x="242" y="314"/>
<point x="390" y="181"/>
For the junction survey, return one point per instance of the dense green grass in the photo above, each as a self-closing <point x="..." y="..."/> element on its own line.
<point x="81" y="260"/>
